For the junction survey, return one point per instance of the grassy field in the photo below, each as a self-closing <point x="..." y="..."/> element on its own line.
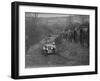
<point x="70" y="54"/>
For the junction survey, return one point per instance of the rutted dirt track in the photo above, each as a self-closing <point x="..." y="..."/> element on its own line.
<point x="71" y="54"/>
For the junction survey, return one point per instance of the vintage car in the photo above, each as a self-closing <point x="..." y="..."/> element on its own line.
<point x="49" y="48"/>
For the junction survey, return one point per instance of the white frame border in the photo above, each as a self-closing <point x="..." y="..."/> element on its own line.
<point x="53" y="70"/>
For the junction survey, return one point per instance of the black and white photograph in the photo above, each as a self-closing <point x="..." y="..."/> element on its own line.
<point x="53" y="40"/>
<point x="50" y="40"/>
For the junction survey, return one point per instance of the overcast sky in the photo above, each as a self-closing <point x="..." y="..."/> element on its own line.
<point x="30" y="14"/>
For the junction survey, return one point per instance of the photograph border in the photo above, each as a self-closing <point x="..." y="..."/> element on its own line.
<point x="15" y="39"/>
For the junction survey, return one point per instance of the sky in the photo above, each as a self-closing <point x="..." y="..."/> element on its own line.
<point x="30" y="14"/>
